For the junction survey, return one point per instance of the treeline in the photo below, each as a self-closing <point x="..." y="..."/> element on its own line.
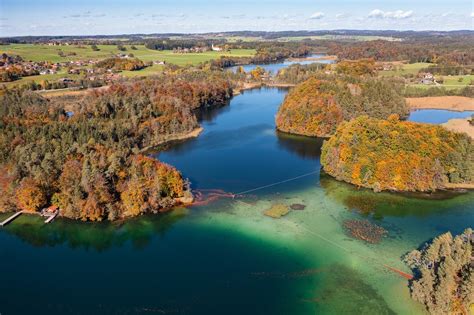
<point x="397" y="155"/>
<point x="88" y="161"/>
<point x="449" y="69"/>
<point x="265" y="53"/>
<point x="444" y="274"/>
<point x="451" y="51"/>
<point x="170" y="44"/>
<point x="277" y="52"/>
<point x="413" y="91"/>
<point x="129" y="64"/>
<point x="317" y="106"/>
<point x="297" y="73"/>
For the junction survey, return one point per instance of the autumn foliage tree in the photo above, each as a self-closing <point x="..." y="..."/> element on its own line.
<point x="444" y="274"/>
<point x="356" y="67"/>
<point x="30" y="196"/>
<point x="90" y="164"/>
<point x="310" y="109"/>
<point x="316" y="107"/>
<point x="129" y="64"/>
<point x="397" y="155"/>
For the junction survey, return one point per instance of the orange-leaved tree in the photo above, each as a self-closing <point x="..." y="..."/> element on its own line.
<point x="29" y="195"/>
<point x="398" y="155"/>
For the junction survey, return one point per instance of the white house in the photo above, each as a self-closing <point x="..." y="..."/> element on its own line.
<point x="215" y="48"/>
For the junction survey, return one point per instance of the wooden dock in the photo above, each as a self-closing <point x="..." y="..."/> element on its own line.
<point x="51" y="217"/>
<point x="11" y="218"/>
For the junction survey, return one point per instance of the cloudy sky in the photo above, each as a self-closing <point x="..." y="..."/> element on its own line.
<point x="88" y="17"/>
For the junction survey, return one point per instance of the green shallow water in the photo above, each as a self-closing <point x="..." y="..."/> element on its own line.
<point x="227" y="257"/>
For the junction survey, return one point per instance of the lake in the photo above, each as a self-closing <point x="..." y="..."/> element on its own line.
<point x="274" y="67"/>
<point x="227" y="257"/>
<point x="437" y="116"/>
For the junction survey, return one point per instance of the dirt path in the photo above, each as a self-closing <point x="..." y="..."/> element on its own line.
<point x="457" y="103"/>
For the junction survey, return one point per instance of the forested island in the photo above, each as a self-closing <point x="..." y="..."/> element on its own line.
<point x="397" y="155"/>
<point x="369" y="143"/>
<point x="317" y="106"/>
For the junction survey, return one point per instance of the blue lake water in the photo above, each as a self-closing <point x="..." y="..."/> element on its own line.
<point x="437" y="116"/>
<point x="274" y="67"/>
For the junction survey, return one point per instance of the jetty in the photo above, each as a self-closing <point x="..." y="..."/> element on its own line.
<point x="51" y="217"/>
<point x="50" y="213"/>
<point x="11" y="218"/>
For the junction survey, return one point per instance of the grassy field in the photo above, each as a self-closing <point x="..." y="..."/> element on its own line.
<point x="50" y="53"/>
<point x="449" y="82"/>
<point x="39" y="78"/>
<point x="459" y="80"/>
<point x="409" y="68"/>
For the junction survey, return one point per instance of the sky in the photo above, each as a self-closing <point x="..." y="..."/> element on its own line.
<point x="107" y="17"/>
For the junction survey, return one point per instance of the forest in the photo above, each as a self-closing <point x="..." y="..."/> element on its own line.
<point x="129" y="64"/>
<point x="297" y="73"/>
<point x="170" y="44"/>
<point x="86" y="154"/>
<point x="318" y="105"/>
<point x="444" y="277"/>
<point x="398" y="155"/>
<point x="439" y="50"/>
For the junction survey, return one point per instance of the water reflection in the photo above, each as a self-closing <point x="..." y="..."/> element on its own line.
<point x="94" y="236"/>
<point x="209" y="114"/>
<point x="386" y="204"/>
<point x="273" y="68"/>
<point x="305" y="147"/>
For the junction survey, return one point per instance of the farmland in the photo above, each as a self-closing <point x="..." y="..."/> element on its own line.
<point x="50" y="53"/>
<point x="43" y="52"/>
<point x="403" y="69"/>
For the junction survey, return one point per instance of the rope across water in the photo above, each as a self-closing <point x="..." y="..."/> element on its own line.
<point x="277" y="183"/>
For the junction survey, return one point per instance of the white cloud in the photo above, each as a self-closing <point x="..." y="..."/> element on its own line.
<point x="341" y="15"/>
<point x="398" y="14"/>
<point x="472" y="14"/>
<point x="317" y="15"/>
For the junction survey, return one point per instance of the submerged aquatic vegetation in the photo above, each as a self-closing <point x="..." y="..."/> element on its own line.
<point x="346" y="292"/>
<point x="297" y="206"/>
<point x="365" y="230"/>
<point x="277" y="211"/>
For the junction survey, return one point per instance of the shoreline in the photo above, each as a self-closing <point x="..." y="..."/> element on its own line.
<point x="330" y="57"/>
<point x="460" y="125"/>
<point x="181" y="136"/>
<point x="257" y="85"/>
<point x="454" y="103"/>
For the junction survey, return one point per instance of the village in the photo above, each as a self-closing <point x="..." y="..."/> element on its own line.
<point x="15" y="67"/>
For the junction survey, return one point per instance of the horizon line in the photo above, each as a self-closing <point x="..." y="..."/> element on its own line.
<point x="255" y="31"/>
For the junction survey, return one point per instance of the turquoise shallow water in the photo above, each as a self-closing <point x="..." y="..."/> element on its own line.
<point x="227" y="257"/>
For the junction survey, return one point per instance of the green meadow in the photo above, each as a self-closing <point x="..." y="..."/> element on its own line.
<point x="409" y="68"/>
<point x="50" y="53"/>
<point x="458" y="80"/>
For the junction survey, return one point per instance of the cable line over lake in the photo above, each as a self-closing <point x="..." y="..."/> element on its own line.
<point x="277" y="183"/>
